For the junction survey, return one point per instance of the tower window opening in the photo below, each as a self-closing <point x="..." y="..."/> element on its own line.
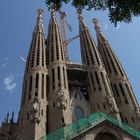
<point x="54" y="104"/>
<point x="97" y="79"/>
<point x="38" y="52"/>
<point x="92" y="81"/>
<point x="30" y="85"/>
<point x="63" y="121"/>
<point x="42" y="112"/>
<point x="126" y="101"/>
<point x="28" y="116"/>
<point x="112" y="88"/>
<point x="47" y="124"/>
<point x="29" y="96"/>
<point x="123" y="93"/>
<point x="52" y="48"/>
<point x="104" y="82"/>
<point x="59" y="85"/>
<point x="47" y="85"/>
<point x="86" y="52"/>
<point x="42" y="52"/>
<point x="116" y="89"/>
<point x="107" y="61"/>
<point x="122" y="90"/>
<point x="32" y="59"/>
<point x="112" y="63"/>
<point x="53" y="79"/>
<point x="97" y="58"/>
<point x="121" y="117"/>
<point x="104" y="106"/>
<point x="98" y="106"/>
<point x="100" y="88"/>
<point x="126" y="120"/>
<point x="91" y="56"/>
<point x="42" y="86"/>
<point x="33" y="52"/>
<point x="58" y="71"/>
<point x="101" y="58"/>
<point x="47" y="55"/>
<point x="57" y="49"/>
<point x="95" y="51"/>
<point x="36" y="94"/>
<point x="37" y="80"/>
<point x="64" y="77"/>
<point x="120" y="68"/>
<point x="133" y="120"/>
<point x="128" y="89"/>
<point x="62" y="55"/>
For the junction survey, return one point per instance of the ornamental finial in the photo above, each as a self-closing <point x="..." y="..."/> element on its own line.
<point x="79" y="12"/>
<point x="40" y="12"/>
<point x="96" y="26"/>
<point x="53" y="9"/>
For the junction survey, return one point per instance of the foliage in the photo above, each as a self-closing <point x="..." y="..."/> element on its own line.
<point x="119" y="10"/>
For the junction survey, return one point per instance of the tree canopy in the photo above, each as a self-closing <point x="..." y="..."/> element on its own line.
<point x="119" y="10"/>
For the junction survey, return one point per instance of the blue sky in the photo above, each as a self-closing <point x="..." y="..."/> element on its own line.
<point x="18" y="18"/>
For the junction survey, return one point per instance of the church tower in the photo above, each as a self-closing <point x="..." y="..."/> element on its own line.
<point x="100" y="94"/>
<point x="59" y="113"/>
<point x="124" y="96"/>
<point x="32" y="115"/>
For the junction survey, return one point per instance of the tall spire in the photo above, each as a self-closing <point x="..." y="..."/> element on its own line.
<point x="59" y="113"/>
<point x="121" y="86"/>
<point x="82" y="26"/>
<point x="36" y="56"/>
<point x="101" y="97"/>
<point x="97" y="29"/>
<point x="39" y="25"/>
<point x="34" y="90"/>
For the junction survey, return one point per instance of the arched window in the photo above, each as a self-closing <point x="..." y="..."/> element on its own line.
<point x="64" y="77"/>
<point x="106" y="136"/>
<point x="30" y="84"/>
<point x="78" y="113"/>
<point x="37" y="80"/>
<point x="42" y="95"/>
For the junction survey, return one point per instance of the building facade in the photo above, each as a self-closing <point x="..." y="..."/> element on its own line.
<point x="56" y="93"/>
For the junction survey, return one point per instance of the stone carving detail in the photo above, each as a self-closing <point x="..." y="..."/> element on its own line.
<point x="35" y="116"/>
<point x="39" y="69"/>
<point x="60" y="100"/>
<point x="114" y="108"/>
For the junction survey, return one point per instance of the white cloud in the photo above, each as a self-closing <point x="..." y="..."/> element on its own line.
<point x="3" y="65"/>
<point x="105" y="26"/>
<point x="118" y="26"/>
<point x="9" y="83"/>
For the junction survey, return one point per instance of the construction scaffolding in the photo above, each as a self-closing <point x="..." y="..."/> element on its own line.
<point x="76" y="128"/>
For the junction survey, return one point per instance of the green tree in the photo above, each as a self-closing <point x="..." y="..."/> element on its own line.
<point x="119" y="10"/>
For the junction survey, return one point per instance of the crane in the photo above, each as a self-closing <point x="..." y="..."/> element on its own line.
<point x="63" y="22"/>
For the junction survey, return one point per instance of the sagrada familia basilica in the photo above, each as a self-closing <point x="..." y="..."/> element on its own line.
<point x="60" y="100"/>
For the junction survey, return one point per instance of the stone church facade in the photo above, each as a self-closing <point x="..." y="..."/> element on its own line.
<point x="57" y="93"/>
